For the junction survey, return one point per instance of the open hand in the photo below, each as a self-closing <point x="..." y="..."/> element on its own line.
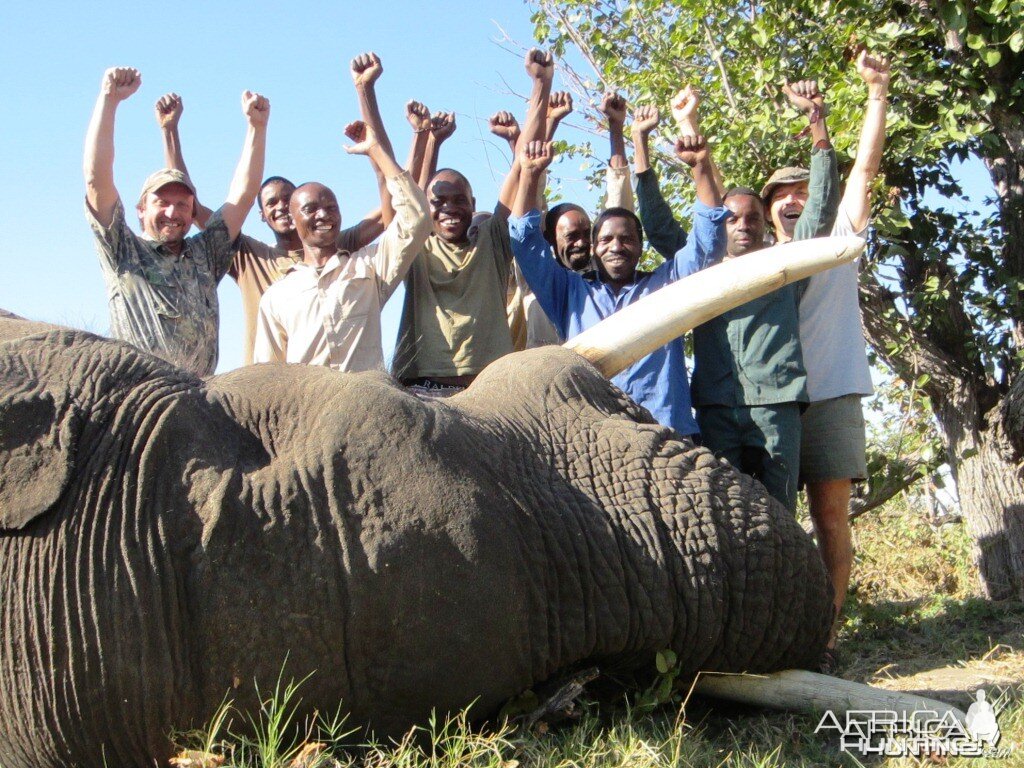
<point x="805" y="96"/>
<point x="168" y="110"/>
<point x="535" y="156"/>
<point x="645" y="120"/>
<point x="418" y="116"/>
<point x="613" y="106"/>
<point x="873" y="70"/>
<point x="256" y="108"/>
<point x="121" y="82"/>
<point x="559" y="105"/>
<point x="363" y="136"/>
<point x="366" y="68"/>
<point x="540" y="65"/>
<point x="504" y="125"/>
<point x="442" y="125"/>
<point x="692" y="150"/>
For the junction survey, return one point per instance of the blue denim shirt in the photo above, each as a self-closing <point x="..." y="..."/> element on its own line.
<point x="573" y="303"/>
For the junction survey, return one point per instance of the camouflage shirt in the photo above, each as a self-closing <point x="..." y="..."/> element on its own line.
<point x="161" y="302"/>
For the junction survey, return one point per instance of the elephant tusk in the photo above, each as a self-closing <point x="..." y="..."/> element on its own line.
<point x="637" y="330"/>
<point x="796" y="689"/>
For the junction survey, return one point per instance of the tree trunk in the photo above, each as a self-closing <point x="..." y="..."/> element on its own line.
<point x="990" y="484"/>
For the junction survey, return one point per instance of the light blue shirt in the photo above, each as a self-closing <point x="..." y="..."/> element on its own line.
<point x="659" y="381"/>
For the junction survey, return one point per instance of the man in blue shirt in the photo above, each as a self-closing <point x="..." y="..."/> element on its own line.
<point x="574" y="303"/>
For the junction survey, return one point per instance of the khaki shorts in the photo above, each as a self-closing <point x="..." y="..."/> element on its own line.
<point x="832" y="444"/>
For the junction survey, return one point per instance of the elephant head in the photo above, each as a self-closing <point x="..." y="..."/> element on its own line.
<point x="165" y="540"/>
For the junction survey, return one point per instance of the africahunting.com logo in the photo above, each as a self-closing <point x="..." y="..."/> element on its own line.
<point x="921" y="733"/>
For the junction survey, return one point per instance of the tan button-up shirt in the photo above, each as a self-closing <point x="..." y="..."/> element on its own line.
<point x="332" y="316"/>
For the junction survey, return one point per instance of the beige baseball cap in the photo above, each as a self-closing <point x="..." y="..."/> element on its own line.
<point x="788" y="175"/>
<point x="162" y="178"/>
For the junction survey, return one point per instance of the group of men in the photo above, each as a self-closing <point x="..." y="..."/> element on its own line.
<point x="777" y="382"/>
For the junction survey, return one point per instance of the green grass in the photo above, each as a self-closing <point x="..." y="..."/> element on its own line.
<point x="913" y="606"/>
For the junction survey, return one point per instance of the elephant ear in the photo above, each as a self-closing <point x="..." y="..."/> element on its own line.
<point x="39" y="430"/>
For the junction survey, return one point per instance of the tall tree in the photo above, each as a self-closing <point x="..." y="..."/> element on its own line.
<point x="943" y="292"/>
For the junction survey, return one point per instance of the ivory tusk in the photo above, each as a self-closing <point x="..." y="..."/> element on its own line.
<point x="795" y="689"/>
<point x="637" y="330"/>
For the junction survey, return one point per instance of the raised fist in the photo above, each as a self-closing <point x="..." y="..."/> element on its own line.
<point x="645" y="120"/>
<point x="684" y="106"/>
<point x="805" y="96"/>
<point x="559" y="105"/>
<point x="442" y="125"/>
<point x="613" y="106"/>
<point x="121" y="82"/>
<point x="535" y="156"/>
<point x="540" y="65"/>
<point x="418" y="116"/>
<point x="256" y="108"/>
<point x="366" y="68"/>
<point x="363" y="136"/>
<point x="168" y="110"/>
<point x="873" y="70"/>
<point x="505" y="126"/>
<point x="692" y="150"/>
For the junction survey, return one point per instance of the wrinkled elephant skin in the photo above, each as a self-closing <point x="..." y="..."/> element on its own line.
<point x="165" y="540"/>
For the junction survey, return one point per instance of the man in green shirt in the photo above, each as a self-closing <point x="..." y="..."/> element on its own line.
<point x="749" y="380"/>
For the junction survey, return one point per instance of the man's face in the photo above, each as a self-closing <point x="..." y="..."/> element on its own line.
<point x="314" y="209"/>
<point x="166" y="214"/>
<point x="617" y="250"/>
<point x="274" y="210"/>
<point x="451" y="207"/>
<point x="744" y="228"/>
<point x="786" y="205"/>
<point x="572" y="240"/>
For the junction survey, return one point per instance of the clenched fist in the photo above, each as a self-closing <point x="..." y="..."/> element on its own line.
<point x="613" y="106"/>
<point x="692" y="150"/>
<point x="505" y="126"/>
<point x="121" y="82"/>
<point x="442" y="125"/>
<point x="535" y="156"/>
<point x="645" y="120"/>
<point x="418" y="116"/>
<point x="559" y="105"/>
<point x="363" y="136"/>
<point x="805" y="96"/>
<point x="540" y="65"/>
<point x="168" y="110"/>
<point x="256" y="109"/>
<point x="366" y="68"/>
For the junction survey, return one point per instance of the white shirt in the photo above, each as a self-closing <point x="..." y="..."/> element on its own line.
<point x="332" y="317"/>
<point x="831" y="330"/>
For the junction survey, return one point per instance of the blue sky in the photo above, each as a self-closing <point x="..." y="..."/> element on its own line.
<point x="450" y="56"/>
<point x="297" y="54"/>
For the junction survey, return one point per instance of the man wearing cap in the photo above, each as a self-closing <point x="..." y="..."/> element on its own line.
<point x="256" y="265"/>
<point x="162" y="286"/>
<point x="748" y="382"/>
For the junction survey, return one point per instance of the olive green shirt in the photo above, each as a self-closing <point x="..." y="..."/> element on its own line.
<point x="751" y="354"/>
<point x="454" y="321"/>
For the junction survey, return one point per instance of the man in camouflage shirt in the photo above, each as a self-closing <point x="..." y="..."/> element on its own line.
<point x="162" y="286"/>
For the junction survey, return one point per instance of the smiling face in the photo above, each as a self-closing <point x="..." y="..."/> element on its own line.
<point x="572" y="240"/>
<point x="451" y="206"/>
<point x="744" y="228"/>
<point x="786" y="205"/>
<point x="166" y="213"/>
<point x="314" y="209"/>
<point x="274" y="201"/>
<point x="617" y="249"/>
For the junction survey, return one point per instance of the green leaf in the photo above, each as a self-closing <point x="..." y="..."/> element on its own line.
<point x="992" y="56"/>
<point x="1016" y="41"/>
<point x="976" y="41"/>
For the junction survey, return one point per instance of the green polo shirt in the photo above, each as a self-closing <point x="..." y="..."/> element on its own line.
<point x="751" y="355"/>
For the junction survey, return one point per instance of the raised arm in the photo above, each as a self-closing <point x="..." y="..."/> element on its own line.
<point x="419" y="119"/>
<point x="665" y="234"/>
<point x="540" y="66"/>
<point x="613" y="107"/>
<point x="559" y="107"/>
<point x="687" y="116"/>
<point x="875" y="72"/>
<point x="442" y="126"/>
<point x="819" y="213"/>
<point x="366" y="70"/>
<point x="694" y="151"/>
<point x="706" y="243"/>
<point x="168" y="110"/>
<point x="98" y="164"/>
<point x="249" y="173"/>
